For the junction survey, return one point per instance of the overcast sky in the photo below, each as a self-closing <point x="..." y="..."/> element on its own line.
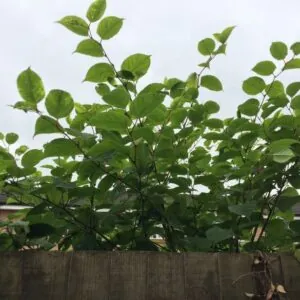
<point x="167" y="29"/>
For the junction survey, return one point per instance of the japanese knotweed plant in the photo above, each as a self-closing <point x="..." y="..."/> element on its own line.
<point x="155" y="161"/>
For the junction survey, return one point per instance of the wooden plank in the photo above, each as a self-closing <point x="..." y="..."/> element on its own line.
<point x="88" y="276"/>
<point x="44" y="275"/>
<point x="201" y="276"/>
<point x="165" y="276"/>
<point x="128" y="275"/>
<point x="10" y="275"/>
<point x="235" y="275"/>
<point x="291" y="273"/>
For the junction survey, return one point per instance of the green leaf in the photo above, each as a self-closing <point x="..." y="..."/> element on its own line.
<point x="32" y="158"/>
<point x="211" y="82"/>
<point x="206" y="46"/>
<point x="59" y="104"/>
<point x="250" y="107"/>
<point x="102" y="89"/>
<point x="217" y="234"/>
<point x="61" y="147"/>
<point x="279" y="50"/>
<point x="275" y="89"/>
<point x="282" y="144"/>
<point x="264" y="68"/>
<point x="143" y="132"/>
<point x="75" y="24"/>
<point x="295" y="103"/>
<point x="90" y="47"/>
<point x="45" y="124"/>
<point x="117" y="98"/>
<point x="245" y="209"/>
<point x="113" y="120"/>
<point x="295" y="226"/>
<point x="253" y="85"/>
<point x="296" y="48"/>
<point x="30" y="86"/>
<point x="109" y="27"/>
<point x="292" y="64"/>
<point x="21" y="150"/>
<point x="214" y="123"/>
<point x="40" y="230"/>
<point x="144" y="104"/>
<point x="96" y="10"/>
<point x="283" y="156"/>
<point x="211" y="107"/>
<point x="224" y="35"/>
<point x="293" y="88"/>
<point x="99" y="73"/>
<point x="138" y="64"/>
<point x="11" y="138"/>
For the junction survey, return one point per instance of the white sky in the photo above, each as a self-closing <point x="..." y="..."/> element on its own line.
<point x="169" y="30"/>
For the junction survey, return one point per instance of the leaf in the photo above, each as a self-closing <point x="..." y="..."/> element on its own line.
<point x="282" y="144"/>
<point x="100" y="72"/>
<point x="295" y="226"/>
<point x="59" y="104"/>
<point x="75" y="24"/>
<point x="245" y="209"/>
<point x="283" y="156"/>
<point x="206" y="46"/>
<point x="61" y="147"/>
<point x="279" y="50"/>
<point x="117" y="98"/>
<point x="264" y="68"/>
<point x="275" y="89"/>
<point x="293" y="88"/>
<point x="296" y="48"/>
<point x="113" y="120"/>
<point x="90" y="47"/>
<point x="30" y="86"/>
<point x="143" y="132"/>
<point x="32" y="158"/>
<point x="292" y="64"/>
<point x="138" y="64"/>
<point x="295" y="103"/>
<point x="109" y="27"/>
<point x="144" y="104"/>
<point x="211" y="82"/>
<point x="253" y="85"/>
<point x="102" y="89"/>
<point x="45" y="124"/>
<point x="250" y="107"/>
<point x="40" y="230"/>
<point x="11" y="138"/>
<point x="96" y="10"/>
<point x="211" y="107"/>
<point x="224" y="35"/>
<point x="214" y="123"/>
<point x="21" y="150"/>
<point x="218" y="234"/>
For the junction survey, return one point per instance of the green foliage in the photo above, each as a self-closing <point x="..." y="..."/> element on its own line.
<point x="155" y="160"/>
<point x="96" y="10"/>
<point x="90" y="47"/>
<point x="30" y="86"/>
<point x="109" y="27"/>
<point x="137" y="64"/>
<point x="59" y="104"/>
<point x="279" y="50"/>
<point x="75" y="24"/>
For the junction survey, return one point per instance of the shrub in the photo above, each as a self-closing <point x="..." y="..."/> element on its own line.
<point x="156" y="161"/>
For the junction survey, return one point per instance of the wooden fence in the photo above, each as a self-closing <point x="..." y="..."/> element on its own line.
<point x="138" y="276"/>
